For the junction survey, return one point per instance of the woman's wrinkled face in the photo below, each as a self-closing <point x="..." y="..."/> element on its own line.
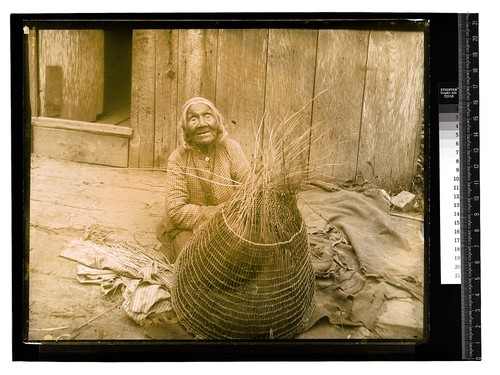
<point x="201" y="124"/>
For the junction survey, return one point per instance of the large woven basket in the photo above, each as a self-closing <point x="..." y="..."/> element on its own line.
<point x="244" y="283"/>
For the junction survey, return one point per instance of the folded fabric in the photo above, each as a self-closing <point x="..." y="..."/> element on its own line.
<point x="143" y="283"/>
<point x="365" y="220"/>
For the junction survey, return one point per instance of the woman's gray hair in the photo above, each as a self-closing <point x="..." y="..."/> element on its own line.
<point x="221" y="131"/>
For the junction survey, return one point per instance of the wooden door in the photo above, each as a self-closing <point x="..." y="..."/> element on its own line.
<point x="71" y="74"/>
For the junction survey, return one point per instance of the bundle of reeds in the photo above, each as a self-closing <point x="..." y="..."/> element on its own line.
<point x="123" y="257"/>
<point x="247" y="274"/>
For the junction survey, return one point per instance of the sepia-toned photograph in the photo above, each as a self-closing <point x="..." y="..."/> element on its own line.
<point x="235" y="183"/>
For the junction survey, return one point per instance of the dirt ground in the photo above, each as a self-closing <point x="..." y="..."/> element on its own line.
<point x="70" y="201"/>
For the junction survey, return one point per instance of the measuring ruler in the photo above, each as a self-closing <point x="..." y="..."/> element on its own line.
<point x="459" y="184"/>
<point x="468" y="83"/>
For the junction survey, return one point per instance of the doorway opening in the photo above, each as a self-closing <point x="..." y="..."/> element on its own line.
<point x="117" y="77"/>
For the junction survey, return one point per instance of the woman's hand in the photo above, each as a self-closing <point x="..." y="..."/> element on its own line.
<point x="207" y="213"/>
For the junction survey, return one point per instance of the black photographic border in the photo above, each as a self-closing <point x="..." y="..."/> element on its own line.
<point x="442" y="314"/>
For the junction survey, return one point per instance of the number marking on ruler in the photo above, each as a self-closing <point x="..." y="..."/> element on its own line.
<point x="469" y="185"/>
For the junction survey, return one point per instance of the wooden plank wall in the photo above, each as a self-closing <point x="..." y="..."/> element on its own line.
<point x="340" y="75"/>
<point x="241" y="83"/>
<point x="80" y="56"/>
<point x="197" y="64"/>
<point x="392" y="108"/>
<point x="290" y="88"/>
<point x="365" y="120"/>
<point x="143" y="105"/>
<point x="167" y="77"/>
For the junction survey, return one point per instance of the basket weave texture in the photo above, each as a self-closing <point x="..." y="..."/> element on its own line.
<point x="247" y="274"/>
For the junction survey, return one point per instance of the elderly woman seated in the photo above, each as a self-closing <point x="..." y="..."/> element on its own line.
<point x="201" y="174"/>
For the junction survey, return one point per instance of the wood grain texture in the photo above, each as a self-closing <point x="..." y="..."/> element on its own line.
<point x="241" y="78"/>
<point x="340" y="70"/>
<point x="366" y="123"/>
<point x="393" y="108"/>
<point x="33" y="71"/>
<point x="167" y="76"/>
<point x="81" y="126"/>
<point x="197" y="65"/>
<point x="142" y="111"/>
<point x="53" y="90"/>
<point x="290" y="87"/>
<point x="80" y="54"/>
<point x="80" y="146"/>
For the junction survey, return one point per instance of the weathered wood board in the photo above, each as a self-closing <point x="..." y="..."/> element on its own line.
<point x="81" y="146"/>
<point x="197" y="67"/>
<point x="33" y="57"/>
<point x="340" y="74"/>
<point x="80" y="56"/>
<point x="392" y="108"/>
<point x="289" y="89"/>
<point x="241" y="79"/>
<point x="142" y="111"/>
<point x="166" y="104"/>
<point x="80" y="126"/>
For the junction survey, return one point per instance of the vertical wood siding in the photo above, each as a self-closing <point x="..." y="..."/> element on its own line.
<point x="197" y="64"/>
<point x="166" y="102"/>
<point x="340" y="77"/>
<point x="34" y="72"/>
<point x="290" y="86"/>
<point x="80" y="56"/>
<point x="392" y="107"/>
<point x="364" y="122"/>
<point x="143" y="101"/>
<point x="241" y="83"/>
